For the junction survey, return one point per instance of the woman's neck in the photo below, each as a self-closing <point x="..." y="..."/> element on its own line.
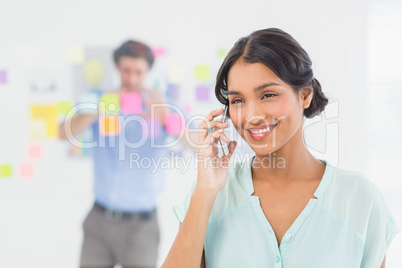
<point x="290" y="163"/>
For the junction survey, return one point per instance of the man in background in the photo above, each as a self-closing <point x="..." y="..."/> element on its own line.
<point x="122" y="226"/>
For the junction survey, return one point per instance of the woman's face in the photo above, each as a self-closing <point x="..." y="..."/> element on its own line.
<point x="266" y="112"/>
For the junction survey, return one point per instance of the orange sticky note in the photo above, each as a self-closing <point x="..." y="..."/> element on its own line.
<point x="35" y="151"/>
<point x="26" y="170"/>
<point x="174" y="123"/>
<point x="109" y="125"/>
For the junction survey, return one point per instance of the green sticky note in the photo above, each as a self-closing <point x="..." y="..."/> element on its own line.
<point x="202" y="73"/>
<point x="221" y="53"/>
<point x="109" y="103"/>
<point x="5" y="171"/>
<point x="64" y="107"/>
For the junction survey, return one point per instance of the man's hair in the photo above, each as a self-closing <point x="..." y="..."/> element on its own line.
<point x="134" y="49"/>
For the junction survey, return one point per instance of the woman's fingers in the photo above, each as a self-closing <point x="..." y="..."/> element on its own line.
<point x="208" y="123"/>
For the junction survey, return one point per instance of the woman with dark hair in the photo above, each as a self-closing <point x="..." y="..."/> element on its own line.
<point x="282" y="207"/>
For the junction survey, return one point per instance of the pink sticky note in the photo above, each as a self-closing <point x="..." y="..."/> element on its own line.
<point x="3" y="77"/>
<point x="35" y="151"/>
<point x="26" y="170"/>
<point x="202" y="93"/>
<point x="188" y="107"/>
<point x="174" y="124"/>
<point x="131" y="103"/>
<point x="154" y="127"/>
<point x="158" y="52"/>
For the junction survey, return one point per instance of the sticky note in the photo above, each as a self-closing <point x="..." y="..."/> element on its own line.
<point x="188" y="107"/>
<point x="174" y="123"/>
<point x="109" y="103"/>
<point x="221" y="53"/>
<point x="63" y="107"/>
<point x="154" y="127"/>
<point x="131" y="103"/>
<point x="3" y="77"/>
<point x="6" y="171"/>
<point x="176" y="74"/>
<point x="158" y="52"/>
<point x="93" y="72"/>
<point x="202" y="93"/>
<point x="75" y="55"/>
<point x="26" y="170"/>
<point x="37" y="129"/>
<point x="35" y="151"/>
<point x="202" y="73"/>
<point x="173" y="91"/>
<point x="109" y="125"/>
<point x="48" y="113"/>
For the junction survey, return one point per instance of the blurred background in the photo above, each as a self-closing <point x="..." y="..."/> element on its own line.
<point x="46" y="46"/>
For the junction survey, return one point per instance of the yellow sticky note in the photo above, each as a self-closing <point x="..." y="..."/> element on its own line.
<point x="93" y="71"/>
<point x="37" y="129"/>
<point x="6" y="171"/>
<point x="75" y="55"/>
<point x="63" y="107"/>
<point x="176" y="74"/>
<point x="48" y="113"/>
<point x="202" y="73"/>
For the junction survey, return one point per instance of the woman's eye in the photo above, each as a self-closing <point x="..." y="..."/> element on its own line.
<point x="269" y="95"/>
<point x="236" y="101"/>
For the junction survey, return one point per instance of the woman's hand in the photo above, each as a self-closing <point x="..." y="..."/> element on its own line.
<point x="212" y="169"/>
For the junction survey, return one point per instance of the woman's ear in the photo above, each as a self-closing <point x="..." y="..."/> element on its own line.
<point x="306" y="96"/>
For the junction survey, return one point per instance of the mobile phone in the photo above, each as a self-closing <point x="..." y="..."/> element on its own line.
<point x="223" y="144"/>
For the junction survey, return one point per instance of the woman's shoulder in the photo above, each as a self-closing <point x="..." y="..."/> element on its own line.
<point x="352" y="185"/>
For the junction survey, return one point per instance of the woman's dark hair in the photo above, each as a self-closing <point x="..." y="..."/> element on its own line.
<point x="281" y="53"/>
<point x="134" y="49"/>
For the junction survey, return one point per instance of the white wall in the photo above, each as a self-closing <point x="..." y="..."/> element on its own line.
<point x="40" y="220"/>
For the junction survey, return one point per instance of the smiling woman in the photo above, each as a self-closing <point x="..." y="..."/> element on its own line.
<point x="299" y="211"/>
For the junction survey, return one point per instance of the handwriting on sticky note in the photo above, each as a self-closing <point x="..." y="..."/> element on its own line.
<point x="131" y="103"/>
<point x="174" y="123"/>
<point x="48" y="113"/>
<point x="109" y="103"/>
<point x="109" y="125"/>
<point x="26" y="170"/>
<point x="202" y="73"/>
<point x="6" y="171"/>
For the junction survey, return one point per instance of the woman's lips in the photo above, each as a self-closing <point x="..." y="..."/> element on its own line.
<point x="260" y="133"/>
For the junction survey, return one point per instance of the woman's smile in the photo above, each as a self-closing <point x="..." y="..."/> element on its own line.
<point x="261" y="132"/>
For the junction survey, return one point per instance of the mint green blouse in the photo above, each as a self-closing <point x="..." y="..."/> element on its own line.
<point x="348" y="225"/>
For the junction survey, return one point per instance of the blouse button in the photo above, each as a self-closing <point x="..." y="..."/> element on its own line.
<point x="277" y="258"/>
<point x="288" y="236"/>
